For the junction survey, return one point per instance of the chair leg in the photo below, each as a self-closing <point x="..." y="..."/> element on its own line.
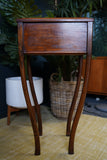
<point x="80" y="106"/>
<point x="71" y="111"/>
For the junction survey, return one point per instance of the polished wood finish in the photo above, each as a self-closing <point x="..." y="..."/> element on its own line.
<point x="56" y="20"/>
<point x="55" y="36"/>
<point x="37" y="106"/>
<point x="71" y="111"/>
<point x="98" y="76"/>
<point x="84" y="91"/>
<point x="31" y="109"/>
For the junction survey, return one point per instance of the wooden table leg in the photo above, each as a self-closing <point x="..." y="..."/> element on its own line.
<point x="37" y="106"/>
<point x="71" y="111"/>
<point x="29" y="106"/>
<point x="80" y="107"/>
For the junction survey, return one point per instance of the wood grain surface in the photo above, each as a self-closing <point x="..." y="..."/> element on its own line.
<point x="55" y="38"/>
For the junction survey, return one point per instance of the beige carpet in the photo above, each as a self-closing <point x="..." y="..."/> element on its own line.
<point x="17" y="143"/>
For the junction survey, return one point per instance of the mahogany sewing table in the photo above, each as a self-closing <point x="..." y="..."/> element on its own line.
<point x="59" y="36"/>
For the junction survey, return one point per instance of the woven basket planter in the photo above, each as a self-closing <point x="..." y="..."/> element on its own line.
<point x="61" y="94"/>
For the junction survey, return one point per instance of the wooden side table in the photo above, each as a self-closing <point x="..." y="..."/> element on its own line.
<point x="58" y="36"/>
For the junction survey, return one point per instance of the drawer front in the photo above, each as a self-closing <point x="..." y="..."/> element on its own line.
<point x="55" y="38"/>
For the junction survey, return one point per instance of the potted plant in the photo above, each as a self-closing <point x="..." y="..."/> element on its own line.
<point x="62" y="83"/>
<point x="11" y="10"/>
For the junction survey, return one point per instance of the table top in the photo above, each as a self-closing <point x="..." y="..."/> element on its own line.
<point x="59" y="20"/>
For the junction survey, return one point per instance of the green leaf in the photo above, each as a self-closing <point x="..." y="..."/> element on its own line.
<point x="3" y="39"/>
<point x="14" y="9"/>
<point x="50" y="13"/>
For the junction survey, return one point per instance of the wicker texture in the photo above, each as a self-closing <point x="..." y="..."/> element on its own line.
<point x="61" y="94"/>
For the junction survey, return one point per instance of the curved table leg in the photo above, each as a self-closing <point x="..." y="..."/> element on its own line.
<point x="80" y="106"/>
<point x="70" y="115"/>
<point x="37" y="106"/>
<point x="29" y="106"/>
